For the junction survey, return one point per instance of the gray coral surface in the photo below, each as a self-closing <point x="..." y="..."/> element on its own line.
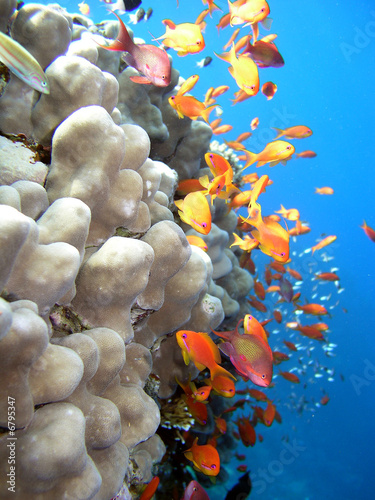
<point x="96" y="272"/>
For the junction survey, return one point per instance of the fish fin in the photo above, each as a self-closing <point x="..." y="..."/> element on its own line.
<point x="266" y="23"/>
<point x="140" y="79"/>
<point x="188" y="454"/>
<point x="204" y="181"/>
<point x="185" y="355"/>
<point x="251" y="158"/>
<point x="123" y="39"/>
<point x="169" y="23"/>
<point x="255" y="28"/>
<point x="226" y="348"/>
<point x="225" y="56"/>
<point x="219" y="370"/>
<point x="199" y="366"/>
<point x="179" y="203"/>
<point x="280" y="132"/>
<point x="206" y="112"/>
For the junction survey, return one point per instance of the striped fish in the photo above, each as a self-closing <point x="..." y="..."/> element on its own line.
<point x="22" y="64"/>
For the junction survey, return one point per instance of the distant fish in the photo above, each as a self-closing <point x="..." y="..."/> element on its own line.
<point x="204" y="62"/>
<point x="240" y="490"/>
<point x="148" y="14"/>
<point x="122" y="6"/>
<point x="84" y="8"/>
<point x="137" y="16"/>
<point x="22" y="64"/>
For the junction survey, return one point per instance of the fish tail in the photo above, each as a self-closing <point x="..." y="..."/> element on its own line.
<point x="219" y="370"/>
<point x="206" y="113"/>
<point x="251" y="158"/>
<point x="280" y="132"/>
<point x="123" y="41"/>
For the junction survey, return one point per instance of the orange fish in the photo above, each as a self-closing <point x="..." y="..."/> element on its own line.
<point x="277" y="315"/>
<point x="324" y="190"/>
<point x="257" y="394"/>
<point x="290" y="213"/>
<point x="202" y="351"/>
<point x="257" y="304"/>
<point x="242" y="468"/>
<point x="197" y="241"/>
<point x="151" y="61"/>
<point x="185" y="38"/>
<point x="273" y="238"/>
<point x="246" y="431"/>
<point x="327" y="277"/>
<point x="246" y="244"/>
<point x="314" y="309"/>
<point x="274" y="153"/>
<point x="269" y="414"/>
<point x="306" y="154"/>
<point x="323" y="243"/>
<point x="279" y="357"/>
<point x="310" y="332"/>
<point x="204" y="457"/>
<point x="295" y="274"/>
<point x="259" y="290"/>
<point x="321" y="326"/>
<point x="324" y="400"/>
<point x="222" y="129"/>
<point x="195" y="211"/>
<point x="187" y="105"/>
<point x="299" y="229"/>
<point x="222" y="385"/>
<point x="253" y="327"/>
<point x="290" y="345"/>
<point x="290" y="376"/>
<point x="211" y="6"/>
<point x="219" y="90"/>
<point x="368" y="231"/>
<point x="242" y="137"/>
<point x="188" y="84"/>
<point x="150" y="489"/>
<point x="188" y="186"/>
<point x="254" y="123"/>
<point x="269" y="89"/>
<point x="296" y="132"/>
<point x="244" y="71"/>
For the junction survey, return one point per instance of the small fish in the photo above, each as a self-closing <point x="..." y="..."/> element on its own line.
<point x="368" y="231"/>
<point x="306" y="154"/>
<point x="323" y="243"/>
<point x="250" y="12"/>
<point x="211" y="6"/>
<point x="296" y="132"/>
<point x="204" y="457"/>
<point x="194" y="491"/>
<point x="186" y="105"/>
<point x="202" y="351"/>
<point x="137" y="17"/>
<point x="242" y="468"/>
<point x="246" y="431"/>
<point x="327" y="277"/>
<point x="254" y="123"/>
<point x="290" y="213"/>
<point x="290" y="376"/>
<point x="21" y="63"/>
<point x="195" y="211"/>
<point x="314" y="309"/>
<point x="204" y="62"/>
<point x="122" y="6"/>
<point x="148" y="14"/>
<point x="222" y="385"/>
<point x="286" y="289"/>
<point x="269" y="89"/>
<point x="197" y="241"/>
<point x="151" y="61"/>
<point x="264" y="54"/>
<point x="84" y="8"/>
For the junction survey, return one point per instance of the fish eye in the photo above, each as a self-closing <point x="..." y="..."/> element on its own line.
<point x="263" y="376"/>
<point x="163" y="77"/>
<point x="198" y="42"/>
<point x="252" y="87"/>
<point x="230" y="390"/>
<point x="172" y="97"/>
<point x="184" y="335"/>
<point x="213" y="466"/>
<point x="202" y="393"/>
<point x="204" y="224"/>
<point x="288" y="147"/>
<point x="44" y="84"/>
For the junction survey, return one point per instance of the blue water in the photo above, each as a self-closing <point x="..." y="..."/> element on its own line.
<point x="327" y="83"/>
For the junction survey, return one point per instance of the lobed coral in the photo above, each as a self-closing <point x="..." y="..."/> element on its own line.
<point x="96" y="276"/>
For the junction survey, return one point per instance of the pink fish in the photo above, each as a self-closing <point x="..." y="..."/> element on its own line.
<point x="249" y="354"/>
<point x="194" y="491"/>
<point x="151" y="61"/>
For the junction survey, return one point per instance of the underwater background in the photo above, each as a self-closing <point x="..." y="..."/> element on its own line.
<point x="327" y="83"/>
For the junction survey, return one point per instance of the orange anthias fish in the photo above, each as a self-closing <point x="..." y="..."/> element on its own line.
<point x="324" y="190"/>
<point x="195" y="211"/>
<point x="246" y="431"/>
<point x="204" y="457"/>
<point x="306" y="154"/>
<point x="296" y="132"/>
<point x="197" y="241"/>
<point x="244" y="71"/>
<point x="150" y="489"/>
<point x="327" y="277"/>
<point x="211" y="6"/>
<point x="223" y="385"/>
<point x="288" y="213"/>
<point x="314" y="309"/>
<point x="202" y="351"/>
<point x="185" y="38"/>
<point x="269" y="89"/>
<point x="188" y="84"/>
<point x="151" y="61"/>
<point x="273" y="238"/>
<point x="368" y="231"/>
<point x="325" y="242"/>
<point x="246" y="244"/>
<point x="253" y="327"/>
<point x="251" y="356"/>
<point x="290" y="376"/>
<point x="269" y="414"/>
<point x="274" y="153"/>
<point x="187" y="105"/>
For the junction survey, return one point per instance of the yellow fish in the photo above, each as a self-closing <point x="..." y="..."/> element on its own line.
<point x="195" y="211"/>
<point x="274" y="153"/>
<point x="185" y="38"/>
<point x="244" y="71"/>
